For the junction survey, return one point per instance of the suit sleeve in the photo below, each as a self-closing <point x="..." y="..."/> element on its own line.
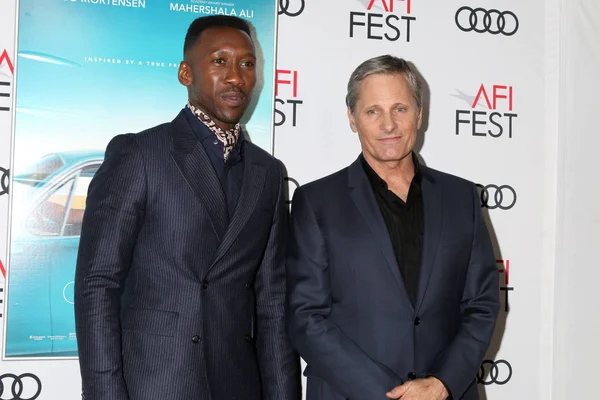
<point x="479" y="308"/>
<point x="114" y="213"/>
<point x="330" y="354"/>
<point x="279" y="364"/>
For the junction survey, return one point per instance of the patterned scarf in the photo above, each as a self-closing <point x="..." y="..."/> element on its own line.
<point x="229" y="137"/>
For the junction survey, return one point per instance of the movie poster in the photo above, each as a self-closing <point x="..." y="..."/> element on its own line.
<point x="86" y="71"/>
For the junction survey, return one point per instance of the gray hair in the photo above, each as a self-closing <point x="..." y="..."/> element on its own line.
<point x="387" y="65"/>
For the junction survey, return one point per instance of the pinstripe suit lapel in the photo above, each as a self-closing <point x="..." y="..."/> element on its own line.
<point x="252" y="186"/>
<point x="194" y="164"/>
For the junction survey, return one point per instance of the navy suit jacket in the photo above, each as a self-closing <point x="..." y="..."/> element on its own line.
<point x="349" y="314"/>
<point x="172" y="301"/>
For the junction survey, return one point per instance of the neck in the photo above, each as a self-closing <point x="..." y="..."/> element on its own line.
<point x="223" y="125"/>
<point x="393" y="172"/>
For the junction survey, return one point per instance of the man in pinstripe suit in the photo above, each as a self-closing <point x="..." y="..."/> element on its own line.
<point x="180" y="282"/>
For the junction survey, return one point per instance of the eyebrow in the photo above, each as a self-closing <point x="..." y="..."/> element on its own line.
<point x="248" y="54"/>
<point x="394" y="105"/>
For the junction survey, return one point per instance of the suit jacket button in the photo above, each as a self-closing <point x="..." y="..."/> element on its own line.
<point x="205" y="284"/>
<point x="248" y="338"/>
<point x="417" y="321"/>
<point x="411" y="376"/>
<point x="195" y="339"/>
<point x="248" y="286"/>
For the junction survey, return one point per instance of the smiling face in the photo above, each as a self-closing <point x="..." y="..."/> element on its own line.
<point x="386" y="117"/>
<point x="219" y="72"/>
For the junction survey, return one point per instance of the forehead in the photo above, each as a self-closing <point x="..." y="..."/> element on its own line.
<point x="381" y="87"/>
<point x="223" y="38"/>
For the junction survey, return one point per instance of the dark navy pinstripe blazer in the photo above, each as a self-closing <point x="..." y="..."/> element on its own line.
<point x="171" y="301"/>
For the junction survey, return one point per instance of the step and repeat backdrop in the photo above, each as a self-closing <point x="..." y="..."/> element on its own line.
<point x="483" y="65"/>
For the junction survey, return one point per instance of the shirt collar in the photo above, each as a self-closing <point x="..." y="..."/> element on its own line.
<point x="205" y="134"/>
<point x="379" y="184"/>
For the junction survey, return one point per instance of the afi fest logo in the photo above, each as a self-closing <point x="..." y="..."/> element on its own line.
<point x="490" y="114"/>
<point x="6" y="76"/>
<point x="291" y="8"/>
<point x="382" y="20"/>
<point x="3" y="279"/>
<point x="504" y="268"/>
<point x="287" y="102"/>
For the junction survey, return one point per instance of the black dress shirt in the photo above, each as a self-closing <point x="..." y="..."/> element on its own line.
<point x="230" y="173"/>
<point x="404" y="221"/>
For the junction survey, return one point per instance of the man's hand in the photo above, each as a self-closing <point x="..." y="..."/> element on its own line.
<point x="420" y="389"/>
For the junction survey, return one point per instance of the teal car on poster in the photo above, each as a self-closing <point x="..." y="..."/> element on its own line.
<point x="46" y="216"/>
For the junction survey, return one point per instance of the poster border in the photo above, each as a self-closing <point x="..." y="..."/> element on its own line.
<point x="12" y="162"/>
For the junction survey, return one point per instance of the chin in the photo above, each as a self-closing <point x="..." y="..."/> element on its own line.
<point x="395" y="156"/>
<point x="233" y="120"/>
<point x="229" y="118"/>
<point x="233" y="116"/>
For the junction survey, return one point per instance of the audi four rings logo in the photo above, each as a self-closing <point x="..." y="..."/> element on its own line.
<point x="296" y="185"/>
<point x="291" y="8"/>
<point x="503" y="197"/>
<point x="4" y="177"/>
<point x="498" y="372"/>
<point x="481" y="20"/>
<point x="20" y="387"/>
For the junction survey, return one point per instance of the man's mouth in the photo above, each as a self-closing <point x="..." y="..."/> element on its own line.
<point x="234" y="99"/>
<point x="391" y="139"/>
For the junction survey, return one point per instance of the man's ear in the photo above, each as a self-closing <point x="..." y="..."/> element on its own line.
<point x="352" y="121"/>
<point x="186" y="78"/>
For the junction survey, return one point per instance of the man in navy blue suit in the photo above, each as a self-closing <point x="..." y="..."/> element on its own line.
<point x="180" y="279"/>
<point x="392" y="281"/>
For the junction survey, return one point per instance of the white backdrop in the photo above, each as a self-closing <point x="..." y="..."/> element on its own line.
<point x="508" y="83"/>
<point x="455" y="64"/>
<point x="576" y="324"/>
